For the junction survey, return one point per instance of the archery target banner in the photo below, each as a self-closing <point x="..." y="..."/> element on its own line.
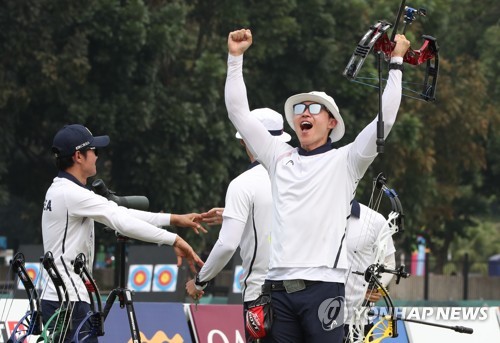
<point x="37" y="275"/>
<point x="140" y="277"/>
<point x="165" y="278"/>
<point x="237" y="279"/>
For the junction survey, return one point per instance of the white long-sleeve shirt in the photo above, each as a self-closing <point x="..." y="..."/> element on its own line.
<point x="247" y="218"/>
<point x="68" y="229"/>
<point x="311" y="190"/>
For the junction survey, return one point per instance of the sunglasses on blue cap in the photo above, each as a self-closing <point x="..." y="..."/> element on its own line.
<point x="314" y="108"/>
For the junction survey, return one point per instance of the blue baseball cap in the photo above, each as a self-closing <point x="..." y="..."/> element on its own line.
<point x="72" y="138"/>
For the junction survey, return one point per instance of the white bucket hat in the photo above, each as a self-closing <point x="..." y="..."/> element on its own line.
<point x="321" y="98"/>
<point x="272" y="121"/>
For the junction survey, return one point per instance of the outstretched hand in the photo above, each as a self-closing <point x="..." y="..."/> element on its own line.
<point x="193" y="291"/>
<point x="239" y="41"/>
<point x="183" y="250"/>
<point x="190" y="220"/>
<point x="213" y="217"/>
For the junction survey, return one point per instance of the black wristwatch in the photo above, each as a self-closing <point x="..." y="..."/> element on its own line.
<point x="398" y="66"/>
<point x="198" y="283"/>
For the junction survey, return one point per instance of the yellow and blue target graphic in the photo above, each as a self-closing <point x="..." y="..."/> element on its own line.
<point x="36" y="275"/>
<point x="238" y="279"/>
<point x="140" y="277"/>
<point x="165" y="278"/>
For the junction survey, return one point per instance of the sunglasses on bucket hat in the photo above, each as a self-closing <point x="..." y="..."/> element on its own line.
<point x="314" y="108"/>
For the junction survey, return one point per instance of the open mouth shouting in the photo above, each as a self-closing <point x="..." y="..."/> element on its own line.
<point x="305" y="126"/>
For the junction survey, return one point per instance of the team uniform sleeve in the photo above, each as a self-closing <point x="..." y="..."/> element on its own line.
<point x="239" y="200"/>
<point x="260" y="142"/>
<point x="85" y="203"/>
<point x="390" y="262"/>
<point x="156" y="219"/>
<point x="227" y="243"/>
<point x="390" y="258"/>
<point x="364" y="148"/>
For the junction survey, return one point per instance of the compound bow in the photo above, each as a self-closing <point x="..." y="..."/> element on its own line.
<point x="31" y="322"/>
<point x="376" y="39"/>
<point x="56" y="327"/>
<point x="394" y="224"/>
<point x="386" y="327"/>
<point x="93" y="323"/>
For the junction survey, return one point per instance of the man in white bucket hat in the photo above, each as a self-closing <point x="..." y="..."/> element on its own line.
<point x="246" y="221"/>
<point x="312" y="187"/>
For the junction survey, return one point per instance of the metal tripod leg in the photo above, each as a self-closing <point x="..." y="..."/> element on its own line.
<point x="125" y="297"/>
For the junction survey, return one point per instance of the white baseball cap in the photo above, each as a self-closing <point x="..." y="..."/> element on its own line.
<point x="272" y="121"/>
<point x="323" y="99"/>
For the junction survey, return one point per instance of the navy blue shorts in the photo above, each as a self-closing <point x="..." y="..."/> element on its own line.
<point x="313" y="315"/>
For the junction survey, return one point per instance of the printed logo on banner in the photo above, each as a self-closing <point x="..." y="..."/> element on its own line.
<point x="165" y="278"/>
<point x="158" y="323"/>
<point x="238" y="279"/>
<point x="140" y="277"/>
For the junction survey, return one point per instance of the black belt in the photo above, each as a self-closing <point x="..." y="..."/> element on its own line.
<point x="290" y="286"/>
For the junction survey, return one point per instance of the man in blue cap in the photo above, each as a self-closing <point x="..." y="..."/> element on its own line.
<point x="69" y="212"/>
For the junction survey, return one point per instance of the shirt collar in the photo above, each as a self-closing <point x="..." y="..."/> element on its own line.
<point x="253" y="164"/>
<point x="319" y="150"/>
<point x="66" y="175"/>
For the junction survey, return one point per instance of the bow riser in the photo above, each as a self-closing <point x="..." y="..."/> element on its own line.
<point x="427" y="51"/>
<point x="59" y="323"/>
<point x="31" y="322"/>
<point x="95" y="317"/>
<point x="364" y="47"/>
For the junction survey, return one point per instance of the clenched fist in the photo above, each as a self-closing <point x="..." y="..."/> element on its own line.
<point x="239" y="41"/>
<point x="402" y="45"/>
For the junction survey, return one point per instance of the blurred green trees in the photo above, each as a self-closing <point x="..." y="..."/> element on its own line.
<point x="151" y="75"/>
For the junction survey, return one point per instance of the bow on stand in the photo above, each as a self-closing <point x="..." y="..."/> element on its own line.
<point x="376" y="39"/>
<point x="31" y="322"/>
<point x="93" y="323"/>
<point x="59" y="323"/>
<point x="373" y="272"/>
<point x="386" y="327"/>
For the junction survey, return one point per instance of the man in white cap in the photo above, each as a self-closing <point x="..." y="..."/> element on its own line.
<point x="365" y="229"/>
<point x="246" y="221"/>
<point x="68" y="218"/>
<point x="312" y="187"/>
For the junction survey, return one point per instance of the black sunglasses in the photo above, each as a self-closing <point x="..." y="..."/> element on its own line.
<point x="314" y="108"/>
<point x="93" y="148"/>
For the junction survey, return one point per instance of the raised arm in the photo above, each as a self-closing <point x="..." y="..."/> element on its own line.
<point x="253" y="132"/>
<point x="365" y="142"/>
